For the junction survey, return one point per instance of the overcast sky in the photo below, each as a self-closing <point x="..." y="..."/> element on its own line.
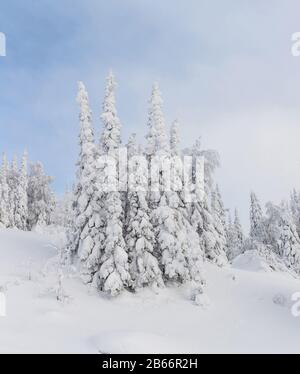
<point x="224" y="67"/>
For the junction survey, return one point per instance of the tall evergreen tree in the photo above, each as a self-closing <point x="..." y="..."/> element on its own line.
<point x="157" y="140"/>
<point x="201" y="215"/>
<point x="177" y="244"/>
<point x="239" y="232"/>
<point x="157" y="147"/>
<point x="257" y="231"/>
<point x="21" y="203"/>
<point x="88" y="238"/>
<point x="230" y="239"/>
<point x="114" y="273"/>
<point x="86" y="221"/>
<point x="235" y="237"/>
<point x="219" y="219"/>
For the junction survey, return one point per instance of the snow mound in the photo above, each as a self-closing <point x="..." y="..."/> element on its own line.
<point x="251" y="261"/>
<point x="21" y="250"/>
<point x="256" y="303"/>
<point x="265" y="261"/>
<point x="127" y="342"/>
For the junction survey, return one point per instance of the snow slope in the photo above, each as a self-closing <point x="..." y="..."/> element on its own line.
<point x="249" y="310"/>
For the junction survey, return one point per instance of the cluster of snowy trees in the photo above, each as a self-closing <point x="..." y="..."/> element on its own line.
<point x="128" y="229"/>
<point x="142" y="236"/>
<point x="275" y="233"/>
<point x="25" y="198"/>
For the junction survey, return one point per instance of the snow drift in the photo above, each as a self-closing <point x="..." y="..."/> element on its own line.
<point x="249" y="309"/>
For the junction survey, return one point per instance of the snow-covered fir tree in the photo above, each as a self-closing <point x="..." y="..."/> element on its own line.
<point x="282" y="234"/>
<point x="295" y="208"/>
<point x="21" y="202"/>
<point x="201" y="215"/>
<point x="62" y="214"/>
<point x="289" y="241"/>
<point x="140" y="240"/>
<point x="235" y="237"/>
<point x="4" y="194"/>
<point x="230" y="239"/>
<point x="13" y="177"/>
<point x="257" y="230"/>
<point x="157" y="146"/>
<point x="114" y="274"/>
<point x="219" y="219"/>
<point x="41" y="200"/>
<point x="111" y="134"/>
<point x="86" y="237"/>
<point x="157" y="140"/>
<point x="239" y="232"/>
<point x="177" y="243"/>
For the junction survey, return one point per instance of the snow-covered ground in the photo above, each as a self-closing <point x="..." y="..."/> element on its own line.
<point x="249" y="309"/>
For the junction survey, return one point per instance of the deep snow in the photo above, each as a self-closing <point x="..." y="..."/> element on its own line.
<point x="249" y="309"/>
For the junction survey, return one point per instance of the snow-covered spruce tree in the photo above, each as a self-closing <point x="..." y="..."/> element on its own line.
<point x="177" y="244"/>
<point x="295" y="208"/>
<point x="230" y="239"/>
<point x="21" y="203"/>
<point x="157" y="139"/>
<point x="86" y="236"/>
<point x="201" y="216"/>
<point x="111" y="135"/>
<point x="41" y="200"/>
<point x="140" y="241"/>
<point x="257" y="229"/>
<point x="113" y="275"/>
<point x="4" y="194"/>
<point x="203" y="222"/>
<point x="194" y="253"/>
<point x="283" y="236"/>
<point x="157" y="145"/>
<point x="289" y="241"/>
<point x="239" y="232"/>
<point x="219" y="219"/>
<point x="235" y="237"/>
<point x="258" y="239"/>
<point x="63" y="212"/>
<point x="13" y="177"/>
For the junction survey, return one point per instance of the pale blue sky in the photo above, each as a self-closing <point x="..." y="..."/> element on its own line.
<point x="225" y="70"/>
